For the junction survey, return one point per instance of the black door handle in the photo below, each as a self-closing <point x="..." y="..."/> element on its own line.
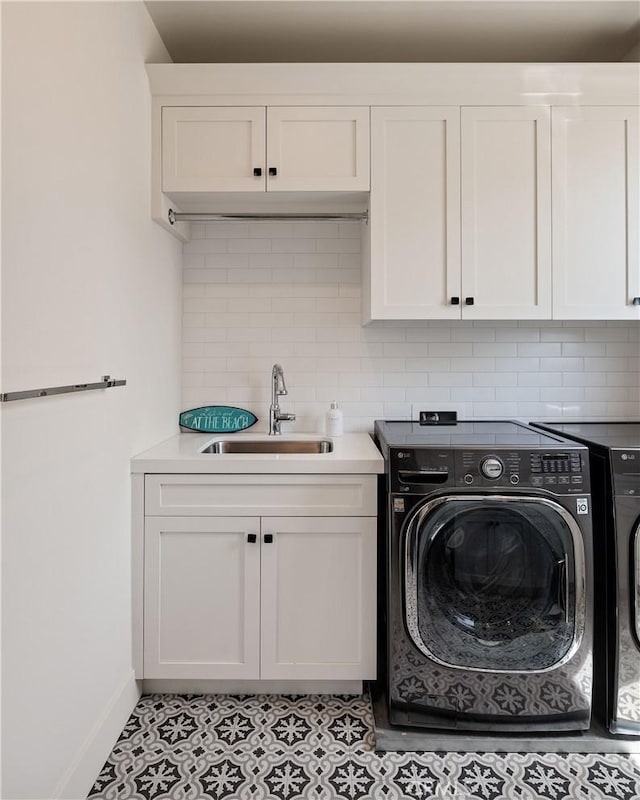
<point x="252" y="538"/>
<point x="273" y="171"/>
<point x="455" y="301"/>
<point x="257" y="172"/>
<point x="636" y="301"/>
<point x="468" y="301"/>
<point x="268" y="538"/>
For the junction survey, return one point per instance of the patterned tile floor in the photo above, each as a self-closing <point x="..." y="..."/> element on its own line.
<point x="260" y="747"/>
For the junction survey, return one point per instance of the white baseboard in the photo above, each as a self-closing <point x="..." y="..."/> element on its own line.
<point x="192" y="686"/>
<point x="87" y="764"/>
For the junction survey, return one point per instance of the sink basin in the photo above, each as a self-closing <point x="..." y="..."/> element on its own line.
<point x="270" y="446"/>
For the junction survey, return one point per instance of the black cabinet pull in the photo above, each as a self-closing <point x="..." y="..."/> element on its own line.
<point x="636" y="301"/>
<point x="268" y="538"/>
<point x="273" y="171"/>
<point x="257" y="172"/>
<point x="252" y="538"/>
<point x="455" y="301"/>
<point x="468" y="301"/>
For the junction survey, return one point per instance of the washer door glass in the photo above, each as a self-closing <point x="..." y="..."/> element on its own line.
<point x="490" y="583"/>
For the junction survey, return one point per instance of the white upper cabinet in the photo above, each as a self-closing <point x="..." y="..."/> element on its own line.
<point x="414" y="268"/>
<point x="437" y="252"/>
<point x="317" y="149"/>
<point x="253" y="149"/>
<point x="506" y="213"/>
<point x="596" y="213"/>
<point x="213" y="149"/>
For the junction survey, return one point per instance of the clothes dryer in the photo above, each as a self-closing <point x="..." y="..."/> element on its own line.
<point x="615" y="470"/>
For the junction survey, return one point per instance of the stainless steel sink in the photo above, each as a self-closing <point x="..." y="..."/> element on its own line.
<point x="270" y="446"/>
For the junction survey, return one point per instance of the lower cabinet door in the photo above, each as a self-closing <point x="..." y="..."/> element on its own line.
<point x="202" y="597"/>
<point x="319" y="598"/>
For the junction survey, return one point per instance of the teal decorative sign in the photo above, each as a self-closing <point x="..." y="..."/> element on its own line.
<point x="217" y="419"/>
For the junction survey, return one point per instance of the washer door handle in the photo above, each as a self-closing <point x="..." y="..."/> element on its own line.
<point x="562" y="583"/>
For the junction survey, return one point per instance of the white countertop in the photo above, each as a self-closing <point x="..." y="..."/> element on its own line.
<point x="352" y="453"/>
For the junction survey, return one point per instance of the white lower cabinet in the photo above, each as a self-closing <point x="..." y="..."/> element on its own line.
<point x="318" y="593"/>
<point x="202" y="597"/>
<point x="260" y="597"/>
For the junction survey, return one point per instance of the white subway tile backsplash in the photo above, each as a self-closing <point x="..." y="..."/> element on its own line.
<point x="494" y="379"/>
<point x="621" y="349"/>
<point x="226" y="260"/>
<point x="226" y="230"/>
<point x="562" y="364"/>
<point x="271" y="230"/>
<point x="535" y="349"/>
<point x="609" y="334"/>
<point x="572" y="349"/>
<point x="260" y="259"/>
<point x="249" y="245"/>
<point x="338" y="245"/>
<point x="531" y="378"/>
<point x="504" y="349"/>
<point x="293" y="246"/>
<point x="316" y="230"/>
<point x="257" y="293"/>
<point x="550" y="333"/>
<point x="457" y="349"/>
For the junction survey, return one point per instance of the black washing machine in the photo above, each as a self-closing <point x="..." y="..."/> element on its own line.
<point x="615" y="471"/>
<point x="488" y="612"/>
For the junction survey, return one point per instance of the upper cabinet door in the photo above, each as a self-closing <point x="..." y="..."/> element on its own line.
<point x="317" y="149"/>
<point x="506" y="213"/>
<point x="207" y="149"/>
<point x="414" y="270"/>
<point x="595" y="213"/>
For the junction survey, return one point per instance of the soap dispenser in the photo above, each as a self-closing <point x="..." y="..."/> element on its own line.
<point x="334" y="420"/>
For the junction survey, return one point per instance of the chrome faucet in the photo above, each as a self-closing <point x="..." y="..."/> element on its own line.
<point x="278" y="388"/>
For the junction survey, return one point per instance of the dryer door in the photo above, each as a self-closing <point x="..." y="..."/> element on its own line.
<point x="635" y="577"/>
<point x="494" y="583"/>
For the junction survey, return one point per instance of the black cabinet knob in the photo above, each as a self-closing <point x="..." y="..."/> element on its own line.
<point x="252" y="538"/>
<point x="257" y="172"/>
<point x="455" y="301"/>
<point x="468" y="301"/>
<point x="268" y="538"/>
<point x="636" y="301"/>
<point x="273" y="171"/>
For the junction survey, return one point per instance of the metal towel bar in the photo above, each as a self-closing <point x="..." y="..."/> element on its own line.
<point x="107" y="382"/>
<point x="177" y="216"/>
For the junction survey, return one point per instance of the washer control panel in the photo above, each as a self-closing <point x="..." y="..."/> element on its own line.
<point x="562" y="472"/>
<point x="420" y="470"/>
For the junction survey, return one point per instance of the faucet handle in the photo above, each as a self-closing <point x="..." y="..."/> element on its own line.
<point x="277" y="375"/>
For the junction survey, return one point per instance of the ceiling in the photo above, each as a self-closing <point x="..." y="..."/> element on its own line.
<point x="219" y="31"/>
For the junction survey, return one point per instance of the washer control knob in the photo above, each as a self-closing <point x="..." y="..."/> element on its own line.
<point x="491" y="467"/>
<point x="468" y="478"/>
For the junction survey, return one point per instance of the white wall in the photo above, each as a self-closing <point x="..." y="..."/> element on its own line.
<point x="290" y="292"/>
<point x="89" y="286"/>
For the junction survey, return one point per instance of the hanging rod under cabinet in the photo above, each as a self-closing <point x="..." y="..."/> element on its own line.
<point x="107" y="382"/>
<point x="179" y="216"/>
